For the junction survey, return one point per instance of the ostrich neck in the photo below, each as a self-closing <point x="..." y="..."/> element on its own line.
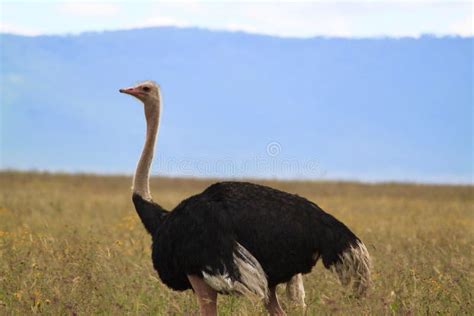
<point x="141" y="181"/>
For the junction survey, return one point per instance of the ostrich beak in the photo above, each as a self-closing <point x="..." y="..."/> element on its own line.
<point x="131" y="91"/>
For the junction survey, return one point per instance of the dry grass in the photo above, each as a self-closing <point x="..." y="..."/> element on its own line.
<point x="73" y="245"/>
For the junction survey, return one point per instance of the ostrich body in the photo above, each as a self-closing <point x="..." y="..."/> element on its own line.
<point x="239" y="237"/>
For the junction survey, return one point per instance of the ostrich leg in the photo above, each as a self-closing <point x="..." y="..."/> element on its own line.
<point x="273" y="307"/>
<point x="207" y="296"/>
<point x="295" y="290"/>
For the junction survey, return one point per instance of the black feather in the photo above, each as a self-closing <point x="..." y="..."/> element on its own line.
<point x="150" y="213"/>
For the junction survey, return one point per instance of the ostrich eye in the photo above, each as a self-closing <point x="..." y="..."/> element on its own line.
<point x="146" y="89"/>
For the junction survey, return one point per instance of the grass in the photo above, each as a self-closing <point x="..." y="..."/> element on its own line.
<point x="74" y="245"/>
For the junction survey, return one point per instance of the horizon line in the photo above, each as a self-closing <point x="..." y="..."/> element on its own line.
<point x="238" y="178"/>
<point x="246" y="32"/>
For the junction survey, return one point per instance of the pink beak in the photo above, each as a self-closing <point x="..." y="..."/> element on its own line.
<point x="131" y="91"/>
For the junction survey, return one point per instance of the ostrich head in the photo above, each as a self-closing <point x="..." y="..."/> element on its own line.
<point x="147" y="91"/>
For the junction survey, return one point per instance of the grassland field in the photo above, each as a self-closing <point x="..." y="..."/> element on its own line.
<point x="73" y="245"/>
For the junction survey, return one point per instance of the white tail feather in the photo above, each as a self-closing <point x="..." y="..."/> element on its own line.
<point x="354" y="268"/>
<point x="252" y="282"/>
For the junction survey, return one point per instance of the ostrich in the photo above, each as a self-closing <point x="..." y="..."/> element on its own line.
<point x="239" y="237"/>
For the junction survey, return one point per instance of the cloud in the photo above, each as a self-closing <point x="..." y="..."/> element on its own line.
<point x="17" y="29"/>
<point x="159" y="21"/>
<point x="89" y="9"/>
<point x="464" y="27"/>
<point x="278" y="19"/>
<point x="300" y="21"/>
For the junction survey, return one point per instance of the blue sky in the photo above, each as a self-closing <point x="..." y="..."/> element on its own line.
<point x="287" y="19"/>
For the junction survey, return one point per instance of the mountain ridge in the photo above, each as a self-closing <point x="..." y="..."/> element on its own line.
<point x="244" y="32"/>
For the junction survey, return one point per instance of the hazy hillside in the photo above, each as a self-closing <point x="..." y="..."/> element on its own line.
<point x="338" y="108"/>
